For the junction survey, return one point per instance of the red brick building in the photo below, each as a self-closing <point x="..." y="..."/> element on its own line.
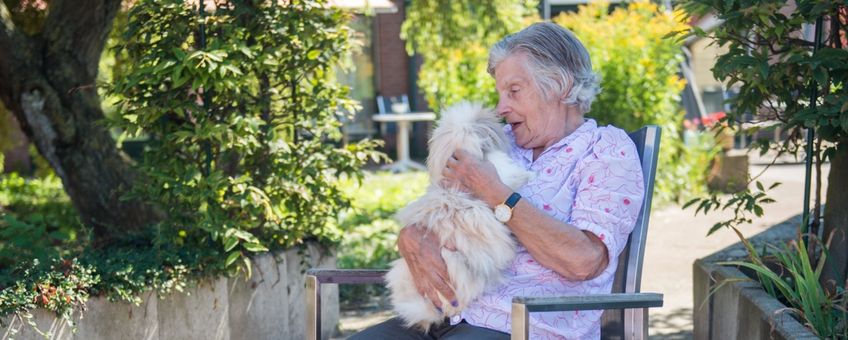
<point x="383" y="68"/>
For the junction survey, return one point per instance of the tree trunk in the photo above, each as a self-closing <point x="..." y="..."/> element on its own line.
<point x="836" y="219"/>
<point x="48" y="82"/>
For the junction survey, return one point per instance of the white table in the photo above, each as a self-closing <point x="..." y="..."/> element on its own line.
<point x="404" y="122"/>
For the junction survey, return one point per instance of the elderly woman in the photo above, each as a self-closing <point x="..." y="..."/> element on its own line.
<point x="571" y="221"/>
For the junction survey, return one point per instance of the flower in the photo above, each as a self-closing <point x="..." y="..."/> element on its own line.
<point x="711" y="119"/>
<point x="708" y="121"/>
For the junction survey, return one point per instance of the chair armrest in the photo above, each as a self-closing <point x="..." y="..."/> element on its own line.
<point x="352" y="276"/>
<point x="315" y="277"/>
<point x="522" y="306"/>
<point x="590" y="302"/>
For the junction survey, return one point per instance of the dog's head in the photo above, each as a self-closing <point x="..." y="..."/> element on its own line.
<point x="468" y="126"/>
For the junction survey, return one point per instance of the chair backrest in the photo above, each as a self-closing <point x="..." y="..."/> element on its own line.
<point x="398" y="104"/>
<point x="615" y="324"/>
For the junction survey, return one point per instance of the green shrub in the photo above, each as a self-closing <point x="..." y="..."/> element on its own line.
<point x="640" y="85"/>
<point x="243" y="132"/>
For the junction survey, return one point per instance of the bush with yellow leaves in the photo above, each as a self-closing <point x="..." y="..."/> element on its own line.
<point x="633" y="50"/>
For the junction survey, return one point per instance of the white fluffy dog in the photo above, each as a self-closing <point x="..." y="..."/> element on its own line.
<point x="484" y="246"/>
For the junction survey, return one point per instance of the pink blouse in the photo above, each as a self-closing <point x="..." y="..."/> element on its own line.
<point x="591" y="179"/>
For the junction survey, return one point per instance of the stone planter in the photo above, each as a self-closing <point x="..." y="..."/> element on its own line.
<point x="270" y="305"/>
<point x="742" y="310"/>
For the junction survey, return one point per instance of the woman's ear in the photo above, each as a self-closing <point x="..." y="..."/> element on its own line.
<point x="567" y="87"/>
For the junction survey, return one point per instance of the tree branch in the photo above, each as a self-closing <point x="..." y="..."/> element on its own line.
<point x="75" y="32"/>
<point x="10" y="43"/>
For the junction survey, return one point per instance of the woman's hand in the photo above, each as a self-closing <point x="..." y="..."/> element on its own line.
<point x="475" y="176"/>
<point x="422" y="252"/>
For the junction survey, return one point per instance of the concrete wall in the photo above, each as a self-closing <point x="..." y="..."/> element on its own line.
<point x="269" y="305"/>
<point x="741" y="309"/>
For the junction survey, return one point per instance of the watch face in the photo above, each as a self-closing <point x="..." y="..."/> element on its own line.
<point x="503" y="213"/>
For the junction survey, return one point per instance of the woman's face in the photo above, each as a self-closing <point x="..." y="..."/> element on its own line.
<point x="536" y="122"/>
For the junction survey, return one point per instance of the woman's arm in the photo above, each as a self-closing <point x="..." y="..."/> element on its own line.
<point x="422" y="253"/>
<point x="573" y="253"/>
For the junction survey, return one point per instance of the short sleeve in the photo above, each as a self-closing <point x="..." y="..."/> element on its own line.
<point x="610" y="191"/>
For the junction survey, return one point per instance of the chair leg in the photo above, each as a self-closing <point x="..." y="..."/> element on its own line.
<point x="520" y="322"/>
<point x="638" y="318"/>
<point x="313" y="308"/>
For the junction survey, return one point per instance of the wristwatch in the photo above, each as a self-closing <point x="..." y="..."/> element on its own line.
<point x="503" y="211"/>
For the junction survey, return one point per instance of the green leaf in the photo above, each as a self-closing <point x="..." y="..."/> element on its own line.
<point x="715" y="228"/>
<point x="312" y="55"/>
<point x="254" y="247"/>
<point x="230" y="243"/>
<point x="246" y="51"/>
<point x="232" y="257"/>
<point x="197" y="83"/>
<point x="177" y="82"/>
<point x="217" y="56"/>
<point x="764" y="70"/>
<point x="196" y="54"/>
<point x="820" y="74"/>
<point x="691" y="202"/>
<point x="248" y="268"/>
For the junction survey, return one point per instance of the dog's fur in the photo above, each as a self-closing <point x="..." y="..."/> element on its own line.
<point x="484" y="246"/>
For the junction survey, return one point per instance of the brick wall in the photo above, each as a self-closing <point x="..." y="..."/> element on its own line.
<point x="391" y="59"/>
<point x="394" y="79"/>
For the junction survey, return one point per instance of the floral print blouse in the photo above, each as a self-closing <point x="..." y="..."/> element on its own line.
<point x="591" y="179"/>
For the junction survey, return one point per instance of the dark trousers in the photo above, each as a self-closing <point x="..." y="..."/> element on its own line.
<point x="394" y="329"/>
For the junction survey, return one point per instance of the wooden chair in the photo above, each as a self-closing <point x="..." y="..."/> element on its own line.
<point x="626" y="308"/>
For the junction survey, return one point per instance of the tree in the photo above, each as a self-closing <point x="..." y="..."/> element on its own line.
<point x="48" y="69"/>
<point x="777" y="71"/>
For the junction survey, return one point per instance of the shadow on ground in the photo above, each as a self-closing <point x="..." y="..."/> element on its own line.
<point x="355" y="317"/>
<point x="676" y="324"/>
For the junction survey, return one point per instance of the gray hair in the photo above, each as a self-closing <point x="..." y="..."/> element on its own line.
<point x="559" y="62"/>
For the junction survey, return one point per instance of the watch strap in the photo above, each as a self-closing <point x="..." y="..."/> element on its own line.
<point x="512" y="200"/>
